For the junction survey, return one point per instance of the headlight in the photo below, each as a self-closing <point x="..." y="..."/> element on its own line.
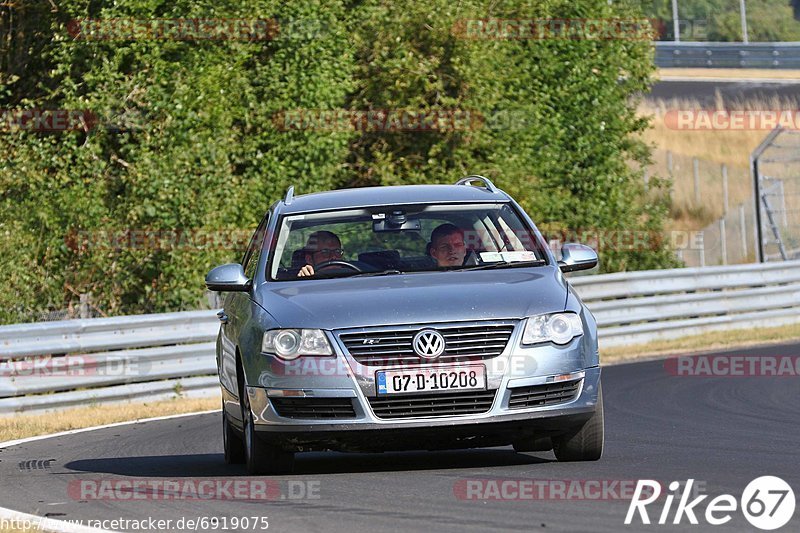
<point x="292" y="343"/>
<point x="558" y="328"/>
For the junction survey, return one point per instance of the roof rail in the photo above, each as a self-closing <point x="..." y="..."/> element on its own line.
<point x="486" y="182"/>
<point x="289" y="195"/>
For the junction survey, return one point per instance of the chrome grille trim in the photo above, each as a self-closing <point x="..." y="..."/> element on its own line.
<point x="432" y="404"/>
<point x="465" y="341"/>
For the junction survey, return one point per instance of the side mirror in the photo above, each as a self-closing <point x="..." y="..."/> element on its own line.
<point x="577" y="257"/>
<point x="228" y="278"/>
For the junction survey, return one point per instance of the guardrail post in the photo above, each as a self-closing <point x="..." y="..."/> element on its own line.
<point x="676" y="24"/>
<point x="722" y="241"/>
<point x="754" y="157"/>
<point x="743" y="16"/>
<point x="724" y="189"/>
<point x="743" y="230"/>
<point x="85" y="305"/>
<point x="671" y="177"/>
<point x="782" y="194"/>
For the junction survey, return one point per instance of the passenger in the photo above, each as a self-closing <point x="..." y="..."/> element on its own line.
<point x="447" y="246"/>
<point x="322" y="246"/>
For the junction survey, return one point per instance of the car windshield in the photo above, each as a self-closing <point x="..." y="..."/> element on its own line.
<point x="402" y="239"/>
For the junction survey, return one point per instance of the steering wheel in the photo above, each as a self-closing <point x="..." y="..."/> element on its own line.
<point x="337" y="263"/>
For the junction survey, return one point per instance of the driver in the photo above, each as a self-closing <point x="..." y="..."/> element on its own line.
<point x="322" y="246"/>
<point x="447" y="245"/>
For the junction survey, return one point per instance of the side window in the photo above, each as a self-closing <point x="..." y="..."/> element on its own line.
<point x="253" y="253"/>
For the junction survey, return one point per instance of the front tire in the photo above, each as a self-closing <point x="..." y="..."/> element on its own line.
<point x="586" y="442"/>
<point x="232" y="442"/>
<point x="260" y="457"/>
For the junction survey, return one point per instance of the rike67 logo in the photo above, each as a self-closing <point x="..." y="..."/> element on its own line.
<point x="767" y="503"/>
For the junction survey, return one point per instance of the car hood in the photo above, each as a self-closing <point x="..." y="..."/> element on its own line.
<point x="414" y="298"/>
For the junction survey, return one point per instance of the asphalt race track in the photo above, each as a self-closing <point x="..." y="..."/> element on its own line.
<point x="732" y="92"/>
<point x="721" y="431"/>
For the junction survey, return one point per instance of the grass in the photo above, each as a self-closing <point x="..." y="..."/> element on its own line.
<point x="707" y="342"/>
<point x="28" y="425"/>
<point x="712" y="149"/>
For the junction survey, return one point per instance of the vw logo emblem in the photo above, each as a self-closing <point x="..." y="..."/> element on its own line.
<point x="428" y="344"/>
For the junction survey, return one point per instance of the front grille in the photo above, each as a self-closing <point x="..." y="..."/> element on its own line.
<point x="314" y="407"/>
<point x="462" y="343"/>
<point x="445" y="404"/>
<point x="541" y="395"/>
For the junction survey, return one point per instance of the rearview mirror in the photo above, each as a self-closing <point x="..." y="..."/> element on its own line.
<point x="228" y="278"/>
<point x="396" y="220"/>
<point x="577" y="257"/>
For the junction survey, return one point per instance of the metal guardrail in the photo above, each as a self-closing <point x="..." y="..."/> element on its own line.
<point x="781" y="55"/>
<point x="640" y="307"/>
<point x="78" y="362"/>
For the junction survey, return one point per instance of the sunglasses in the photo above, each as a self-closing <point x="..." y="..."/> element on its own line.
<point x="330" y="251"/>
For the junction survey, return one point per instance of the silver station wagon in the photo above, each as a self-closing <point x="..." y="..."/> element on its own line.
<point x="400" y="318"/>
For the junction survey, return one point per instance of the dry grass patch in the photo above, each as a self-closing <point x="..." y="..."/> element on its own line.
<point x="28" y="425"/>
<point x="707" y="342"/>
<point x="731" y="147"/>
<point x="712" y="149"/>
<point x="729" y="73"/>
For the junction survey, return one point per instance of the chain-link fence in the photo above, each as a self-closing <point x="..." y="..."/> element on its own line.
<point x="727" y="241"/>
<point x="776" y="170"/>
<point x="724" y="197"/>
<point x="717" y="195"/>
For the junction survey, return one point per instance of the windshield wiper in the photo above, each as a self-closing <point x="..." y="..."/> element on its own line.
<point x="507" y="264"/>
<point x="387" y="272"/>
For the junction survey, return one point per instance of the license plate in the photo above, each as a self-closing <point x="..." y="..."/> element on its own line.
<point x="431" y="379"/>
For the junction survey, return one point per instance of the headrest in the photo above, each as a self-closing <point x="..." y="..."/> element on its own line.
<point x="382" y="259"/>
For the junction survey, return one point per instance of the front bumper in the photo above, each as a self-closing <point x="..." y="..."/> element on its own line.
<point x="498" y="421"/>
<point x="499" y="425"/>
